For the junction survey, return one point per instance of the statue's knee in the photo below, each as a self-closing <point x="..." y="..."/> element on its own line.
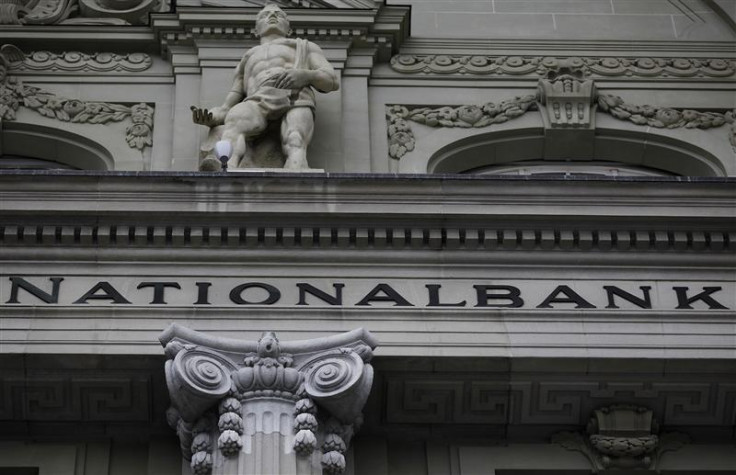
<point x="248" y="124"/>
<point x="294" y="139"/>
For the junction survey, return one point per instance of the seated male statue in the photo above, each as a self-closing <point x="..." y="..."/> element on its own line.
<point x="272" y="97"/>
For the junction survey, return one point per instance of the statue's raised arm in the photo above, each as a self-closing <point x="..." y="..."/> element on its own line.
<point x="268" y="115"/>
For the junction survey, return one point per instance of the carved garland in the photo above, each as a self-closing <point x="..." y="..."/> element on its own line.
<point x="540" y="65"/>
<point x="621" y="436"/>
<point x="401" y="138"/>
<point x="139" y="135"/>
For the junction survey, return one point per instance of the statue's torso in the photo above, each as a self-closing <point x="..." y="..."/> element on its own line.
<point x="266" y="61"/>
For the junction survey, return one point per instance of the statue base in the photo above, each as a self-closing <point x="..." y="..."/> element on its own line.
<point x="275" y="170"/>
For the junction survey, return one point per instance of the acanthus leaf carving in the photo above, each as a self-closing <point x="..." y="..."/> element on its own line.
<point x="222" y="397"/>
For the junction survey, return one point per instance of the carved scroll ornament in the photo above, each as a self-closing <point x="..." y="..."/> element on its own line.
<point x="77" y="61"/>
<point x="219" y="391"/>
<point x="540" y="66"/>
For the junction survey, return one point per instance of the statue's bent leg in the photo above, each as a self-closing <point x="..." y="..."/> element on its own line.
<point x="243" y="121"/>
<point x="296" y="133"/>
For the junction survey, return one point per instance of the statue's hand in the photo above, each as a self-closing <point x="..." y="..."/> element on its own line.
<point x="292" y="79"/>
<point x="210" y="118"/>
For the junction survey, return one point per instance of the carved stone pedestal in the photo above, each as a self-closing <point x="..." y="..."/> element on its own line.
<point x="243" y="408"/>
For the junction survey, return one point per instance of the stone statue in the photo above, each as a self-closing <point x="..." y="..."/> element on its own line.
<point x="271" y="100"/>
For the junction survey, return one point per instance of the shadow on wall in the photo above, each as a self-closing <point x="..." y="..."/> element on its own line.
<point x="33" y="146"/>
<point x="639" y="153"/>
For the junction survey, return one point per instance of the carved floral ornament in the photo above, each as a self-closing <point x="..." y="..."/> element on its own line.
<point x="78" y="12"/>
<point x="218" y="396"/>
<point x="73" y="61"/>
<point x="621" y="436"/>
<point x="539" y="66"/>
<point x="565" y="95"/>
<point x="14" y="94"/>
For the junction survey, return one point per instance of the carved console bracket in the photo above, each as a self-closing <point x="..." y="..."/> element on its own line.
<point x="621" y="437"/>
<point x="14" y="94"/>
<point x="376" y="26"/>
<point x="567" y="100"/>
<point x="234" y="401"/>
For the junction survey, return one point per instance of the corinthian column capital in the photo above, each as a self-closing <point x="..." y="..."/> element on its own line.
<point x="232" y="401"/>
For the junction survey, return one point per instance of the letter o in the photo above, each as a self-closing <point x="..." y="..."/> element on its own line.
<point x="236" y="295"/>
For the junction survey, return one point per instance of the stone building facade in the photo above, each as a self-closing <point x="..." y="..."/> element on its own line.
<point x="513" y="253"/>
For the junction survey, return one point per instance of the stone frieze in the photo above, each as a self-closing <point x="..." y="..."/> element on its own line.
<point x="73" y="61"/>
<point x="539" y="66"/>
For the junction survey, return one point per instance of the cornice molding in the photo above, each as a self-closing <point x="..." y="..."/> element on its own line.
<point x="565" y="47"/>
<point x="477" y="214"/>
<point x="616" y="237"/>
<point x="384" y="28"/>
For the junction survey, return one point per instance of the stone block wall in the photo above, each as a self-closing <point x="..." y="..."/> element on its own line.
<point x="660" y="20"/>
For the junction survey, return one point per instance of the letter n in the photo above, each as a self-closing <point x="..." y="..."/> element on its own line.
<point x="612" y="292"/>
<point x="17" y="283"/>
<point x="305" y="289"/>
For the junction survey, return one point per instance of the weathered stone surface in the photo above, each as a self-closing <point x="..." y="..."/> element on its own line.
<point x="256" y="387"/>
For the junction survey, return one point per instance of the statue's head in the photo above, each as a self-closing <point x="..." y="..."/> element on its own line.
<point x="272" y="19"/>
<point x="268" y="346"/>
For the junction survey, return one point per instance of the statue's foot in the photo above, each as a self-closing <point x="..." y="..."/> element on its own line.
<point x="296" y="164"/>
<point x="210" y="164"/>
